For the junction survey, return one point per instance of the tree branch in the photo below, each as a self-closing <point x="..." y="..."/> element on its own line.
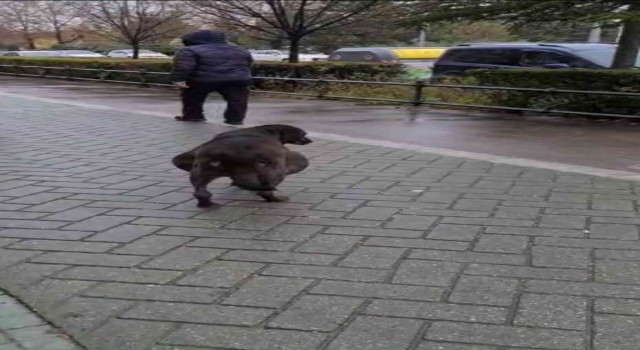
<point x="294" y="19"/>
<point x="320" y="12"/>
<point x="134" y="21"/>
<point x="299" y="16"/>
<point x="329" y="23"/>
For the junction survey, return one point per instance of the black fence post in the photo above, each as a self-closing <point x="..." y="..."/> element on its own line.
<point x="143" y="78"/>
<point x="417" y="93"/>
<point x="321" y="85"/>
<point x="67" y="69"/>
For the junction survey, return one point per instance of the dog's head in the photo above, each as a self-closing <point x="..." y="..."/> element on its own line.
<point x="288" y="134"/>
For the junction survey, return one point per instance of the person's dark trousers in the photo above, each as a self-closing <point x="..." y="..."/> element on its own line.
<point x="236" y="94"/>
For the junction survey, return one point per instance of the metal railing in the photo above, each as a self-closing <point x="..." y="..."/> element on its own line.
<point x="320" y="88"/>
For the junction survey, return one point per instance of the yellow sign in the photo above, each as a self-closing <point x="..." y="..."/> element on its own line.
<point x="419" y="53"/>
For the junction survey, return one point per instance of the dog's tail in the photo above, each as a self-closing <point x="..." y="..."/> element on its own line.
<point x="184" y="161"/>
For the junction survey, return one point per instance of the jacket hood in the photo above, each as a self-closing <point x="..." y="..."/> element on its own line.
<point x="204" y="37"/>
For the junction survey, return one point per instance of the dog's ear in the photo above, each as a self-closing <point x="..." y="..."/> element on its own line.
<point x="296" y="136"/>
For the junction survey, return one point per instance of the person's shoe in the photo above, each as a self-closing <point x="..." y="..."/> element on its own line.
<point x="233" y="122"/>
<point x="183" y="119"/>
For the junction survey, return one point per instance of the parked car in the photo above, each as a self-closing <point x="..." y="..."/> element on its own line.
<point x="365" y="54"/>
<point x="277" y="55"/>
<point x="311" y="57"/>
<point x="464" y="57"/>
<point x="141" y="54"/>
<point x="30" y="54"/>
<point x="266" y="55"/>
<point x="79" y="53"/>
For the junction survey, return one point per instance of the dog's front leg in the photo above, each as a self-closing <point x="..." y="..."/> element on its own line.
<point x="295" y="163"/>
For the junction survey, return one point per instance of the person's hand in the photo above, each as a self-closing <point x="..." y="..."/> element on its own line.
<point x="181" y="84"/>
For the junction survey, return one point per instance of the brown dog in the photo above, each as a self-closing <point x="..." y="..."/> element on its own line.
<point x="254" y="158"/>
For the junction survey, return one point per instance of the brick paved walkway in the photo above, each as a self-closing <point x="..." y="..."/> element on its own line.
<point x="21" y="329"/>
<point x="379" y="249"/>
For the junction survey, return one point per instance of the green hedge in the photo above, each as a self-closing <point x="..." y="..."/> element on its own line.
<point x="310" y="70"/>
<point x="567" y="79"/>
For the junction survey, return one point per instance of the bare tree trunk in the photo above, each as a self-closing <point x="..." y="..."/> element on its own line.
<point x="31" y="43"/>
<point x="59" y="36"/>
<point x="629" y="44"/>
<point x="136" y="50"/>
<point x="294" y="49"/>
<point x="60" y="39"/>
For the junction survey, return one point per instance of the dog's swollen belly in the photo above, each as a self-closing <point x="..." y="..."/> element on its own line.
<point x="263" y="178"/>
<point x="259" y="174"/>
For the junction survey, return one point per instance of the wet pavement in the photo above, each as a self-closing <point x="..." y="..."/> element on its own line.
<point x="577" y="141"/>
<point x="378" y="248"/>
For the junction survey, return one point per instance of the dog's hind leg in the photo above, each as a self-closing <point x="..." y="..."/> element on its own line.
<point x="200" y="190"/>
<point x="201" y="175"/>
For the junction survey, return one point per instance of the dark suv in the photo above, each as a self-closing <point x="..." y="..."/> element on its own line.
<point x="524" y="55"/>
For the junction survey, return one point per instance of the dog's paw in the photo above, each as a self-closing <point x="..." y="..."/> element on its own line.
<point x="277" y="199"/>
<point x="206" y="204"/>
<point x="270" y="197"/>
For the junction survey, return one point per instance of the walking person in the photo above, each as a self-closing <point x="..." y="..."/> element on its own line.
<point x="209" y="63"/>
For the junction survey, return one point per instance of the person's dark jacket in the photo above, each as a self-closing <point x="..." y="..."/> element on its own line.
<point x="208" y="58"/>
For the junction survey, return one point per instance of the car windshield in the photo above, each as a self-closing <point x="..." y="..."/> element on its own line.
<point x="603" y="57"/>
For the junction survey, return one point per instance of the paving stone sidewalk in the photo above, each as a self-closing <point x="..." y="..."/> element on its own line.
<point x="378" y="249"/>
<point x="22" y="329"/>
